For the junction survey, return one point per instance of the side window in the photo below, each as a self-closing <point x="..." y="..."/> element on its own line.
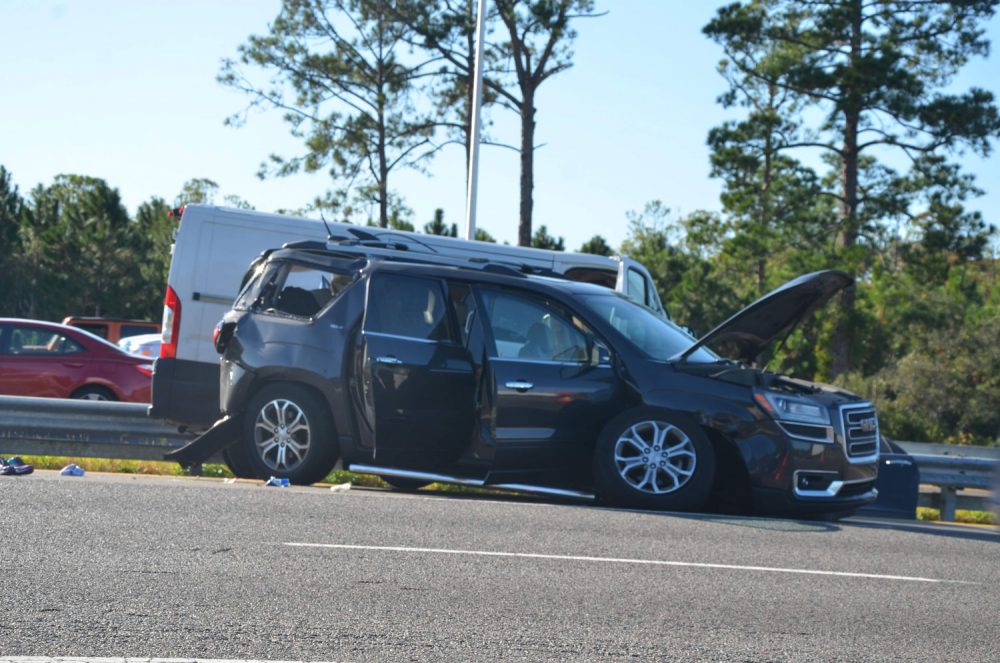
<point x="30" y="341"/>
<point x="408" y="306"/>
<point x="260" y="280"/>
<point x="293" y="289"/>
<point x="637" y="288"/>
<point x="305" y="291"/>
<point x="526" y="328"/>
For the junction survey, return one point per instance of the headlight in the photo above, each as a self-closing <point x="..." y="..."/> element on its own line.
<point x="792" y="408"/>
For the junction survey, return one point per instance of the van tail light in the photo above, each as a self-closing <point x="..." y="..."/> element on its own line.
<point x="176" y="213"/>
<point x="171" y="324"/>
<point x="145" y="369"/>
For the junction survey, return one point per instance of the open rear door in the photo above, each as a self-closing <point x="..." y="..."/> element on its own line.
<point x="419" y="382"/>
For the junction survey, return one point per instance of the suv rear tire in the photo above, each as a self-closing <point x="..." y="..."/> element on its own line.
<point x="238" y="462"/>
<point x="650" y="458"/>
<point x="287" y="432"/>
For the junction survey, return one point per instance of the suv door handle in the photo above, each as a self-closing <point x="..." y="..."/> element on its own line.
<point x="520" y="385"/>
<point x="73" y="364"/>
<point x="389" y="360"/>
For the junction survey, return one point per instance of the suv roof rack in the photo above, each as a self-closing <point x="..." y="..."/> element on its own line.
<point x="400" y="253"/>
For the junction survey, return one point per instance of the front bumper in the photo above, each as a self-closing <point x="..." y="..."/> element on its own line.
<point x="781" y="502"/>
<point x="795" y="470"/>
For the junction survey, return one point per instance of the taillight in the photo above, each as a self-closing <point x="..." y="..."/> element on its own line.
<point x="176" y="213"/>
<point x="216" y="332"/>
<point x="171" y="324"/>
<point x="145" y="369"/>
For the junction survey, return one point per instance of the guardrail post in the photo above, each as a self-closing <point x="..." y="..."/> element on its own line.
<point x="949" y="498"/>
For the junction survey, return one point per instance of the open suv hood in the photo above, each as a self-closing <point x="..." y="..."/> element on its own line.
<point x="773" y="317"/>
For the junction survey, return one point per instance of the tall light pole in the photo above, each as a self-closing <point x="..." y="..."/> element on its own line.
<point x="477" y="102"/>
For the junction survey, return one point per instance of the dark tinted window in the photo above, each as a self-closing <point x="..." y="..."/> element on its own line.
<point x="603" y="277"/>
<point x="408" y="306"/>
<point x="528" y="328"/>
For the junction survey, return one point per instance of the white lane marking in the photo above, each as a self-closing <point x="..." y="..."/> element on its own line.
<point x="100" y="659"/>
<point x="626" y="560"/>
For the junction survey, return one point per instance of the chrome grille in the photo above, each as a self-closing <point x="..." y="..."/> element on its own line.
<point x="860" y="431"/>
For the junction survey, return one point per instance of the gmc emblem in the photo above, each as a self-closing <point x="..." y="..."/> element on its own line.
<point x="868" y="424"/>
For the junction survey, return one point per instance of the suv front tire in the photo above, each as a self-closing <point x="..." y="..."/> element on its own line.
<point x="650" y="458"/>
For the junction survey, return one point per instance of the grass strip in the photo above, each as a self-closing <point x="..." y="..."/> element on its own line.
<point x="163" y="468"/>
<point x="961" y="516"/>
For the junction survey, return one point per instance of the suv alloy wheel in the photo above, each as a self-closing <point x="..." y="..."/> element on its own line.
<point x="287" y="432"/>
<point x="651" y="458"/>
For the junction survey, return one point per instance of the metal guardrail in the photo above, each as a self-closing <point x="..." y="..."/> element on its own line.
<point x="954" y="450"/>
<point x="967" y="477"/>
<point x="84" y="429"/>
<point x="95" y="429"/>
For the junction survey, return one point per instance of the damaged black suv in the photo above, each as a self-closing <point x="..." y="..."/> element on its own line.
<point x="481" y="375"/>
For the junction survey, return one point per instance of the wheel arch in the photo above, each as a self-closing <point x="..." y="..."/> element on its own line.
<point x="100" y="383"/>
<point x="731" y="490"/>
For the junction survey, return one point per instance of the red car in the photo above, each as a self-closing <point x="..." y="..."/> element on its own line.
<point x="46" y="359"/>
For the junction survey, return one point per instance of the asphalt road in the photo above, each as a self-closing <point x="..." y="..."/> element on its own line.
<point x="162" y="567"/>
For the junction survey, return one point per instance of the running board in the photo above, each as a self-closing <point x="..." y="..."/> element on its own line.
<point x="477" y="483"/>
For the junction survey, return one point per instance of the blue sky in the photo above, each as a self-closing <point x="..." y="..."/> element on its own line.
<point x="126" y="91"/>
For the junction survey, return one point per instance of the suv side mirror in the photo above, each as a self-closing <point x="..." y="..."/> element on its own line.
<point x="598" y="353"/>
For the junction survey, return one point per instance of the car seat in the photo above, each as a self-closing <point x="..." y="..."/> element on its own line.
<point x="297" y="301"/>
<point x="538" y="346"/>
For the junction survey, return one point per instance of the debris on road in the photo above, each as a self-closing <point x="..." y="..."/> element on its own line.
<point x="14" y="466"/>
<point x="340" y="487"/>
<point x="72" y="470"/>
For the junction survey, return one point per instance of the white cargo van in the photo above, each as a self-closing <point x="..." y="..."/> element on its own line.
<point x="214" y="246"/>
